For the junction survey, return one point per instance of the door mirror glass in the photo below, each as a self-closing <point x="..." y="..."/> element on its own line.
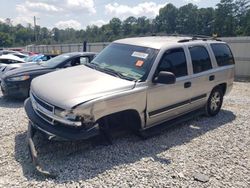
<point x="165" y="77"/>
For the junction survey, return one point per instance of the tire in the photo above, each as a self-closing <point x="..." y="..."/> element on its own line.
<point x="214" y="102"/>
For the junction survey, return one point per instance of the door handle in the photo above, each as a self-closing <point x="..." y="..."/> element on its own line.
<point x="211" y="78"/>
<point x="187" y="84"/>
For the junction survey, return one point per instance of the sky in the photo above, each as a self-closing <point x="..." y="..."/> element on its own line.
<point x="78" y="14"/>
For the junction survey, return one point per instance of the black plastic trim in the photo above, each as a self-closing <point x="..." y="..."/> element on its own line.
<point x="155" y="112"/>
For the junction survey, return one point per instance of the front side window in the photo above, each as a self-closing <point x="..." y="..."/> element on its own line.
<point x="57" y="61"/>
<point x="126" y="61"/>
<point x="222" y="54"/>
<point x="174" y="61"/>
<point x="200" y="59"/>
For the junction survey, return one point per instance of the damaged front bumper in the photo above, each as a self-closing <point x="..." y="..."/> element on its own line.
<point x="52" y="132"/>
<point x="33" y="153"/>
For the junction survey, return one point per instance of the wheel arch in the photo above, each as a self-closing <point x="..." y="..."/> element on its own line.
<point x="223" y="87"/>
<point x="131" y="114"/>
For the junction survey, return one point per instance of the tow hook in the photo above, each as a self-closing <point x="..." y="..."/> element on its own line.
<point x="33" y="153"/>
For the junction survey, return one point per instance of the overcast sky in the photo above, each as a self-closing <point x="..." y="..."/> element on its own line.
<point x="80" y="13"/>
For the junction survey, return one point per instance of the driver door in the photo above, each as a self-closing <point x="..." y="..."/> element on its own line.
<point x="165" y="102"/>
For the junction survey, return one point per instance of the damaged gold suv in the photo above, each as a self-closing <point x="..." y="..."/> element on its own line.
<point x="139" y="82"/>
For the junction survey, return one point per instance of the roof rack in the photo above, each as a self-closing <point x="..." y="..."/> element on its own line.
<point x="199" y="37"/>
<point x="189" y="37"/>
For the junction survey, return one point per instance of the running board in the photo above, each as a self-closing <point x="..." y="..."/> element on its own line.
<point x="158" y="129"/>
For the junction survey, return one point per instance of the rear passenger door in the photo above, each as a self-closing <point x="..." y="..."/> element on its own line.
<point x="203" y="76"/>
<point x="165" y="102"/>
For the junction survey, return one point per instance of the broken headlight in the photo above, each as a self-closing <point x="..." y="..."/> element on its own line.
<point x="69" y="115"/>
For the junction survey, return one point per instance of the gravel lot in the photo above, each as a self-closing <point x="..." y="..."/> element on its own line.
<point x="218" y="148"/>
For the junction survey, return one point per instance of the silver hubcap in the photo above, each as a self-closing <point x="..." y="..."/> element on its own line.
<point x="215" y="101"/>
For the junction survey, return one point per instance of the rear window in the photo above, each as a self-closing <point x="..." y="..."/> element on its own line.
<point x="222" y="54"/>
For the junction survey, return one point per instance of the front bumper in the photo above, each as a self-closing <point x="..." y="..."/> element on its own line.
<point x="51" y="132"/>
<point x="58" y="132"/>
<point x="15" y="89"/>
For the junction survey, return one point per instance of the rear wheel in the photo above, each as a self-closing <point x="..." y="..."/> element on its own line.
<point x="214" y="102"/>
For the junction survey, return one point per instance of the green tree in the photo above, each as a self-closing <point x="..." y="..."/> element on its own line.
<point x="205" y="21"/>
<point x="128" y="25"/>
<point x="241" y="9"/>
<point x="166" y="21"/>
<point x="247" y="25"/>
<point x="225" y="22"/>
<point x="115" y="26"/>
<point x="187" y="19"/>
<point x="5" y="40"/>
<point x="142" y="25"/>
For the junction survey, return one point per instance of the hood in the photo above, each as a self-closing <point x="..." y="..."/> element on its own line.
<point x="19" y="65"/>
<point x="26" y="69"/>
<point x="69" y="87"/>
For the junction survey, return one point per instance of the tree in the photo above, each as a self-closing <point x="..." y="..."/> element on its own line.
<point x="142" y="25"/>
<point x="56" y="34"/>
<point x="225" y="23"/>
<point x="205" y="21"/>
<point x="5" y="40"/>
<point x="187" y="19"/>
<point x="247" y="25"/>
<point x="166" y="21"/>
<point x="115" y="26"/>
<point x="241" y="9"/>
<point x="128" y="25"/>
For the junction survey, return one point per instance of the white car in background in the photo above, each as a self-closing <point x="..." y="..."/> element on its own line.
<point x="9" y="59"/>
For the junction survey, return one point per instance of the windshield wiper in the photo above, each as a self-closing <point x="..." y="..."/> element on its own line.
<point x="117" y="74"/>
<point x="109" y="71"/>
<point x="92" y="65"/>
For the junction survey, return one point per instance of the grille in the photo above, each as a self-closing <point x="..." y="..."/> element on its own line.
<point x="48" y="119"/>
<point x="43" y="104"/>
<point x="42" y="108"/>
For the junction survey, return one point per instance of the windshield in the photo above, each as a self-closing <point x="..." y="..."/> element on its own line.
<point x="56" y="61"/>
<point x="29" y="58"/>
<point x="133" y="62"/>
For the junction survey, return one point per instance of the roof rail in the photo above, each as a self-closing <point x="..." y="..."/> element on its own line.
<point x="189" y="37"/>
<point x="199" y="37"/>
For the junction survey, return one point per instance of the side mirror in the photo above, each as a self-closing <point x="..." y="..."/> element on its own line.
<point x="164" y="77"/>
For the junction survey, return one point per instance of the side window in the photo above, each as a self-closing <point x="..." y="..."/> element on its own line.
<point x="72" y="62"/>
<point x="174" y="61"/>
<point x="200" y="59"/>
<point x="5" y="61"/>
<point x="84" y="60"/>
<point x="68" y="64"/>
<point x="222" y="54"/>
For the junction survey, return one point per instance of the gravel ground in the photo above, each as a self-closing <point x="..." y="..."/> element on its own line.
<point x="218" y="148"/>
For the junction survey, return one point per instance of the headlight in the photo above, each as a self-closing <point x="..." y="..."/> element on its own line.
<point x="70" y="115"/>
<point x="19" y="78"/>
<point x="66" y="114"/>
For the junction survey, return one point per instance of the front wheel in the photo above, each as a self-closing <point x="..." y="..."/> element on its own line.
<point x="214" y="102"/>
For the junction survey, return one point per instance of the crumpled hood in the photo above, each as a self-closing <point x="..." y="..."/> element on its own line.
<point x="69" y="87"/>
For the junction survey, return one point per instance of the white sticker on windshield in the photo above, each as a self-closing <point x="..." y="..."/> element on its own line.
<point x="140" y="55"/>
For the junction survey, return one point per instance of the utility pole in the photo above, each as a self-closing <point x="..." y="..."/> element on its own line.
<point x="35" y="34"/>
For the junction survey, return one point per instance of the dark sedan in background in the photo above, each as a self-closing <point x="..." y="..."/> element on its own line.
<point x="16" y="83"/>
